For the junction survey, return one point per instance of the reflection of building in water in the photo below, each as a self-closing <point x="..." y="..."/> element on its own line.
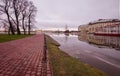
<point x="82" y="37"/>
<point x="103" y="27"/>
<point x="113" y="42"/>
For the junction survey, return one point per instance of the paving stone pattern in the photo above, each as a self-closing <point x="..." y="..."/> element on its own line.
<point x="23" y="57"/>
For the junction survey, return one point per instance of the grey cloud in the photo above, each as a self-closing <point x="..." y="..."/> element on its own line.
<point x="75" y="11"/>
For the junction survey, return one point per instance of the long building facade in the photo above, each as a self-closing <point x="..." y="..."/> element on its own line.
<point x="103" y="27"/>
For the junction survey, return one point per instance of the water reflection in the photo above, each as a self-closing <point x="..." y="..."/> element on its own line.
<point x="66" y="36"/>
<point x="101" y="41"/>
<point x="81" y="47"/>
<point x="96" y="40"/>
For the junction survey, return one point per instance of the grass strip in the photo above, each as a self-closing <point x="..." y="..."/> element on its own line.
<point x="65" y="65"/>
<point x="5" y="37"/>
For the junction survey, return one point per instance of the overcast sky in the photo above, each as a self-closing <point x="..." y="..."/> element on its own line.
<point x="55" y="14"/>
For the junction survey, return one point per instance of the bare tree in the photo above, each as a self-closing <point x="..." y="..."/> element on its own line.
<point x="5" y="7"/>
<point x="24" y="7"/>
<point x="20" y="14"/>
<point x="17" y="9"/>
<point x="31" y="15"/>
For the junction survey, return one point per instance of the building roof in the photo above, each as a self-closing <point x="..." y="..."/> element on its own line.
<point x="104" y="21"/>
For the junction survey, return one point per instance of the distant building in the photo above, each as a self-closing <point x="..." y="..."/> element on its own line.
<point x="83" y="28"/>
<point x="103" y="27"/>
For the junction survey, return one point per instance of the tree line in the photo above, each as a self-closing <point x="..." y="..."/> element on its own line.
<point x="17" y="15"/>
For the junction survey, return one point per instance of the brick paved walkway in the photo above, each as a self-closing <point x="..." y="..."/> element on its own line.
<point x="23" y="57"/>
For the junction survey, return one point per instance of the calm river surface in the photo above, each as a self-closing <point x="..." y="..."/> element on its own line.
<point x="102" y="52"/>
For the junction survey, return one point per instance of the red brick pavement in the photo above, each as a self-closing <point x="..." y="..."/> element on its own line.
<point x="23" y="57"/>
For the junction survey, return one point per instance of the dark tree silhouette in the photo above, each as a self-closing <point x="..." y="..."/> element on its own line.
<point x="16" y="7"/>
<point x="31" y="15"/>
<point x="5" y="8"/>
<point x="20" y="15"/>
<point x="24" y="7"/>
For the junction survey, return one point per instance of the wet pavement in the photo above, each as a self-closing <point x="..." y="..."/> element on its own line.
<point x="24" y="57"/>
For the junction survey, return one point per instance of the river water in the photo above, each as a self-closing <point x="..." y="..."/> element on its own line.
<point x="102" y="52"/>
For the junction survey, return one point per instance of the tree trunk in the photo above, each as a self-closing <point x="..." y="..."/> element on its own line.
<point x="16" y="16"/>
<point x="9" y="31"/>
<point x="23" y="25"/>
<point x="18" y="30"/>
<point x="29" y="28"/>
<point x="11" y="27"/>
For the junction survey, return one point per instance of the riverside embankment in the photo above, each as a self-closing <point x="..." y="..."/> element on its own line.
<point x="65" y="65"/>
<point x="101" y="52"/>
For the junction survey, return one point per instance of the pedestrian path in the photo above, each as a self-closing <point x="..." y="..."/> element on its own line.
<point x="24" y="57"/>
